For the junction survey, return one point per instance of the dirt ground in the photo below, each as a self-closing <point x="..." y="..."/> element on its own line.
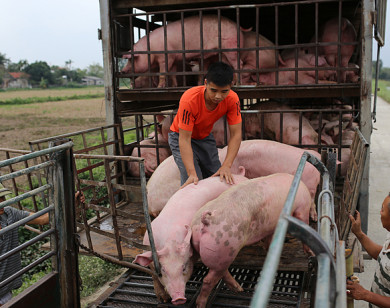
<point x="23" y="123"/>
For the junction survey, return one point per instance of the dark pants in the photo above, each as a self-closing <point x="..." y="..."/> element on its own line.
<point x="205" y="152"/>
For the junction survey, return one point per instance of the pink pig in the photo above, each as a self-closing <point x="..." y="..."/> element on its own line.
<point x="241" y="216"/>
<point x="265" y="157"/>
<point x="150" y="156"/>
<point x="172" y="236"/>
<point x="192" y="42"/>
<point x="304" y="76"/>
<point x="329" y="34"/>
<point x="268" y="58"/>
<point x="163" y="183"/>
<point x="291" y="123"/>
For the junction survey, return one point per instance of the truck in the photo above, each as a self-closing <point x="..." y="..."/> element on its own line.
<point x="298" y="79"/>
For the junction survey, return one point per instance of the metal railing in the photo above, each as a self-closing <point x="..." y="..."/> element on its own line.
<point x="60" y="191"/>
<point x="331" y="282"/>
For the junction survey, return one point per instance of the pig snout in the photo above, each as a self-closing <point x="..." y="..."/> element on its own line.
<point x="178" y="299"/>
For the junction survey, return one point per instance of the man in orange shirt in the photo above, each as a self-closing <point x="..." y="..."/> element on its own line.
<point x="192" y="144"/>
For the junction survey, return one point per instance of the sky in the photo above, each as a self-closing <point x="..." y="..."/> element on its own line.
<point x="57" y="31"/>
<point x="53" y="31"/>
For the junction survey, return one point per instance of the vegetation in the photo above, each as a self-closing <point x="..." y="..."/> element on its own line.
<point x="31" y="100"/>
<point x="40" y="74"/>
<point x="383" y="89"/>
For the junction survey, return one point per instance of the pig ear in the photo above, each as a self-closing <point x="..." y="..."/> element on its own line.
<point x="144" y="259"/>
<point x="160" y="118"/>
<point x="321" y="61"/>
<point x="187" y="239"/>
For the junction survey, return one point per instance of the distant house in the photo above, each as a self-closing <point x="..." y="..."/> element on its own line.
<point x="92" y="81"/>
<point x="16" y="80"/>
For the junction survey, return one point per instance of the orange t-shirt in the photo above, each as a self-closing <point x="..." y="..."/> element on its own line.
<point x="193" y="115"/>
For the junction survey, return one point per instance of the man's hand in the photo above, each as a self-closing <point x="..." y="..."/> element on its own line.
<point x="356" y="226"/>
<point x="80" y="196"/>
<point x="191" y="179"/>
<point x="225" y="173"/>
<point x="356" y="291"/>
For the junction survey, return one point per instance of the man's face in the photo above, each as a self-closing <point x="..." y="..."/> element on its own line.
<point x="215" y="94"/>
<point x="2" y="209"/>
<point x="385" y="213"/>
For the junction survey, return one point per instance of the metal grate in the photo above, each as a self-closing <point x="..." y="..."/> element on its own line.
<point x="137" y="290"/>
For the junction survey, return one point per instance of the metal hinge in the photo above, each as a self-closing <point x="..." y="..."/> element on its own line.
<point x="99" y="34"/>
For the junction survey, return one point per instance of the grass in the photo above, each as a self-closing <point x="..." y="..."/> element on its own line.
<point x="31" y="100"/>
<point x="384" y="89"/>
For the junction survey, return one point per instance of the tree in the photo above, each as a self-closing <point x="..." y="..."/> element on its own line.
<point x="95" y="69"/>
<point x="17" y="67"/>
<point x="39" y="70"/>
<point x="3" y="62"/>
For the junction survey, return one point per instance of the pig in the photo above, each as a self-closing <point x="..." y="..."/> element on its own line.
<point x="268" y="58"/>
<point x="172" y="235"/>
<point x="192" y="39"/>
<point x="150" y="156"/>
<point x="243" y="215"/>
<point x="163" y="183"/>
<point x="329" y="34"/>
<point x="304" y="76"/>
<point x="265" y="157"/>
<point x="291" y="121"/>
<point x="152" y="82"/>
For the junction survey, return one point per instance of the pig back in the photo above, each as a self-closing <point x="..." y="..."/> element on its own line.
<point x="245" y="214"/>
<point x="265" y="157"/>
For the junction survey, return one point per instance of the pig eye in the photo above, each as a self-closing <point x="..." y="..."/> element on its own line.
<point x="185" y="269"/>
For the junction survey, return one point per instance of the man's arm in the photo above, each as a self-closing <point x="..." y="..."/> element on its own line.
<point x="372" y="248"/>
<point x="187" y="156"/>
<point x="41" y="220"/>
<point x="233" y="146"/>
<point x="356" y="291"/>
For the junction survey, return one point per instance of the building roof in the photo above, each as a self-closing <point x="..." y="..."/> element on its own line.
<point x="18" y="75"/>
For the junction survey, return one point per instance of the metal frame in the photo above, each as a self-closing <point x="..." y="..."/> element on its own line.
<point x="60" y="190"/>
<point x="330" y="283"/>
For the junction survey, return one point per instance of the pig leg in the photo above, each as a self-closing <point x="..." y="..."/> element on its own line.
<point x="231" y="283"/>
<point x="161" y="82"/>
<point x="209" y="282"/>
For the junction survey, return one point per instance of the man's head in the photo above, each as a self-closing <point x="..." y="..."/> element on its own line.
<point x="385" y="213"/>
<point x="3" y="192"/>
<point x="220" y="73"/>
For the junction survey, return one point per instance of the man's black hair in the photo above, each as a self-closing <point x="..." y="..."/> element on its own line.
<point x="220" y="73"/>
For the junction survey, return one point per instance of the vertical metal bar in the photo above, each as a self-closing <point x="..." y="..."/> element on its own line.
<point x="113" y="208"/>
<point x="264" y="286"/>
<point x="341" y="299"/>
<point x="277" y="38"/>
<point x="62" y="174"/>
<point x="376" y="82"/>
<point x="183" y="47"/>
<point x="323" y="287"/>
<point x="296" y="42"/>
<point x="147" y="217"/>
<point x="365" y="100"/>
<point x="316" y="38"/>
<point x="166" y="77"/>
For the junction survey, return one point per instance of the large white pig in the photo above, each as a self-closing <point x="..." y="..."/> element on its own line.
<point x="241" y="216"/>
<point x="304" y="76"/>
<point x="163" y="183"/>
<point x="291" y="123"/>
<point x="192" y="40"/>
<point x="172" y="235"/>
<point x="265" y="157"/>
<point x="268" y="58"/>
<point x="329" y="34"/>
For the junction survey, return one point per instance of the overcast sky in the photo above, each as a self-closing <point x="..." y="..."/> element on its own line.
<point x="57" y="31"/>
